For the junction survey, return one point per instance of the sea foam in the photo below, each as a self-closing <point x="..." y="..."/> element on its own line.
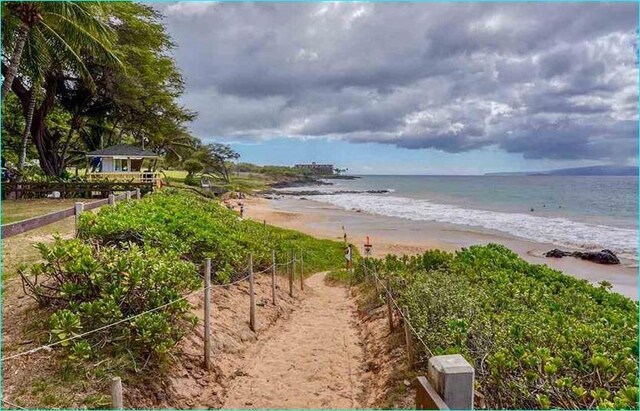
<point x="555" y="230"/>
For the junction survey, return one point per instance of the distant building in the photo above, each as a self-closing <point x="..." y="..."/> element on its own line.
<point x="319" y="169"/>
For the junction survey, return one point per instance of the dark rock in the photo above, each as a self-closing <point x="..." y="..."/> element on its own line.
<point x="555" y="253"/>
<point x="599" y="257"/>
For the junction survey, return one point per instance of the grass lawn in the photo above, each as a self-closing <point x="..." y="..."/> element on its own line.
<point x="18" y="210"/>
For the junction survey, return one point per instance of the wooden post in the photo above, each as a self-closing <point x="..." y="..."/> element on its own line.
<point x="252" y="298"/>
<point x="79" y="208"/>
<point x="116" y="393"/>
<point x="138" y="194"/>
<point x="291" y="267"/>
<point x="389" y="307"/>
<point x="112" y="199"/>
<point x="207" y="314"/>
<point x="273" y="276"/>
<point x="301" y="271"/>
<point x="407" y="336"/>
<point x="128" y="195"/>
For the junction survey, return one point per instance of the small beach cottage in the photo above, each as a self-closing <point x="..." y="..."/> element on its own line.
<point x="123" y="163"/>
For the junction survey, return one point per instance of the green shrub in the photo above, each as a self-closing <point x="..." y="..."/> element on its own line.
<point x="536" y="337"/>
<point x="91" y="286"/>
<point x="196" y="228"/>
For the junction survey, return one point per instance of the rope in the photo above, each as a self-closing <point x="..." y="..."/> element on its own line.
<point x="390" y="296"/>
<point x="232" y="283"/>
<point x="14" y="405"/>
<point x="48" y="347"/>
<point x="104" y="327"/>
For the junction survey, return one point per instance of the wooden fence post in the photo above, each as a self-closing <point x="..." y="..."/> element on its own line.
<point x="407" y="335"/>
<point x="301" y="271"/>
<point x="273" y="276"/>
<point x="207" y="314"/>
<point x="138" y="194"/>
<point x="252" y="298"/>
<point x="128" y="195"/>
<point x="79" y="208"/>
<point x="291" y="268"/>
<point x="112" y="199"/>
<point x="116" y="393"/>
<point x="389" y="307"/>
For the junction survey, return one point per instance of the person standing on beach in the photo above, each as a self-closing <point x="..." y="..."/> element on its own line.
<point x="241" y="210"/>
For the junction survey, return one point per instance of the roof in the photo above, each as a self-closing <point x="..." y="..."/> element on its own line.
<point x="122" y="150"/>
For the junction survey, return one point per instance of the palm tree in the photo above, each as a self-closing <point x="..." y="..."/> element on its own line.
<point x="52" y="36"/>
<point x="61" y="24"/>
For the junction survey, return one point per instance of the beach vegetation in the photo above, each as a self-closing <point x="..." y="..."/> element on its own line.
<point x="536" y="337"/>
<point x="142" y="255"/>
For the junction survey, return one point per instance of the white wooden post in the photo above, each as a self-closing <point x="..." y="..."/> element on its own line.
<point x="452" y="377"/>
<point x="128" y="195"/>
<point x="138" y="194"/>
<point x="389" y="307"/>
<point x="116" y="393"/>
<point x="79" y="209"/>
<point x="407" y="336"/>
<point x="252" y="298"/>
<point x="207" y="314"/>
<point x="273" y="276"/>
<point x="112" y="199"/>
<point x="301" y="271"/>
<point x="291" y="267"/>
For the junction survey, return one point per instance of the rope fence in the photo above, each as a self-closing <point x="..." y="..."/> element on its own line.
<point x="206" y="291"/>
<point x="403" y="312"/>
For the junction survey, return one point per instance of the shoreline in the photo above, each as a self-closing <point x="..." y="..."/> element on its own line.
<point x="394" y="235"/>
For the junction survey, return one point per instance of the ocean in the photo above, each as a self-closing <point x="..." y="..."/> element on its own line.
<point x="583" y="212"/>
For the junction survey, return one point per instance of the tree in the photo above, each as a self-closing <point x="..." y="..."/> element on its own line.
<point x="57" y="38"/>
<point x="192" y="167"/>
<point x="215" y="158"/>
<point x="61" y="26"/>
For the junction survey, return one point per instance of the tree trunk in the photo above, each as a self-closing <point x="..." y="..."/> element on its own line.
<point x="47" y="143"/>
<point x="14" y="65"/>
<point x="33" y="94"/>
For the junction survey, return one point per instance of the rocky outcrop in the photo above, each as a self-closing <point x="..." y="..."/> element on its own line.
<point x="600" y="257"/>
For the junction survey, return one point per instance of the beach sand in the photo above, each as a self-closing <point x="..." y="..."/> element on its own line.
<point x="400" y="236"/>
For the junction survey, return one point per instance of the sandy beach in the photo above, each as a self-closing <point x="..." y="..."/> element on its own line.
<point x="402" y="236"/>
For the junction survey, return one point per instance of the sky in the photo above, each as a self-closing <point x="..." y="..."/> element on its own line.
<point x="413" y="88"/>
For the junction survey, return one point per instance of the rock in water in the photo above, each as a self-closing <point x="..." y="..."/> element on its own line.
<point x="555" y="253"/>
<point x="600" y="257"/>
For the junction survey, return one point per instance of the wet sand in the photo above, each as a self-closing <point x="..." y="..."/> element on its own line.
<point x="401" y="236"/>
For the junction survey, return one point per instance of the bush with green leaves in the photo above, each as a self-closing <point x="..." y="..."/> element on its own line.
<point x="537" y="338"/>
<point x="89" y="286"/>
<point x="196" y="228"/>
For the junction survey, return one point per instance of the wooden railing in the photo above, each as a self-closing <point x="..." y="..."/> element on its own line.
<point x="9" y="230"/>
<point x="427" y="398"/>
<point x="15" y="190"/>
<point x="126" y="176"/>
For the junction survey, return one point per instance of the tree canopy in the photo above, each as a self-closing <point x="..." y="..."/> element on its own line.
<point x="89" y="75"/>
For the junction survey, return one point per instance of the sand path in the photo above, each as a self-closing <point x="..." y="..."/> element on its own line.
<point x="315" y="360"/>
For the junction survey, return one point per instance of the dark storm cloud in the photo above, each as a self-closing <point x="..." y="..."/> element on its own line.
<point x="555" y="81"/>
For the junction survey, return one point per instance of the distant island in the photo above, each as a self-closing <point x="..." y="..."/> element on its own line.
<point x="579" y="171"/>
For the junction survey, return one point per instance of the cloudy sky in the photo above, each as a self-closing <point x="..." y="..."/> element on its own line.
<point x="403" y="88"/>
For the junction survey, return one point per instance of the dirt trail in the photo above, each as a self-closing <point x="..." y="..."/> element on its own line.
<point x="315" y="360"/>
